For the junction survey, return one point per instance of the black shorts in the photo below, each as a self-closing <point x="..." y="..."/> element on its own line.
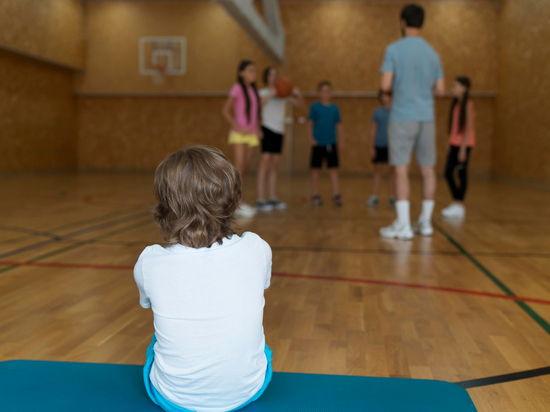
<point x="272" y="142"/>
<point x="381" y="155"/>
<point x="318" y="153"/>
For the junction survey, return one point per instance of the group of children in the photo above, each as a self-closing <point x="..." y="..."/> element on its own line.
<point x="206" y="285"/>
<point x="257" y="118"/>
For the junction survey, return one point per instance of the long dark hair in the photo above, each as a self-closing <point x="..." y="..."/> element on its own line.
<point x="464" y="81"/>
<point x="243" y="65"/>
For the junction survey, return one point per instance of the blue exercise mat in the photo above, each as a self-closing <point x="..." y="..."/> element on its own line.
<point x="32" y="386"/>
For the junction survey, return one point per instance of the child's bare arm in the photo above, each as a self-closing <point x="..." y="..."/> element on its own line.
<point x="309" y="128"/>
<point x="340" y="134"/>
<point x="227" y="114"/>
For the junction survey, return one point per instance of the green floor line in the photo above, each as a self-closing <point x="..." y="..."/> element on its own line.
<point x="534" y="315"/>
<point x="82" y="243"/>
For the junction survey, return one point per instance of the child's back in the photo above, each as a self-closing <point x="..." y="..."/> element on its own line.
<point x="209" y="353"/>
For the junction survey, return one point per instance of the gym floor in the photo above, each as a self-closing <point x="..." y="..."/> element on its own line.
<point x="471" y="302"/>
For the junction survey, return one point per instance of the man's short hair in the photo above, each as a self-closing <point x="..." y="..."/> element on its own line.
<point x="413" y="14"/>
<point x="323" y="84"/>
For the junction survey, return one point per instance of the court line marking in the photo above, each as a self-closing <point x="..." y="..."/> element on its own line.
<point x="287" y="275"/>
<point x="87" y="230"/>
<point x="534" y="315"/>
<point x="73" y="224"/>
<point x="509" y="377"/>
<point x="29" y="231"/>
<point x="34" y="261"/>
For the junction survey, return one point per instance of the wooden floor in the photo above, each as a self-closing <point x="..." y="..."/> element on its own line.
<point x="342" y="300"/>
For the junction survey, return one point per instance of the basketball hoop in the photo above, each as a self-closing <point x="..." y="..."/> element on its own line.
<point x="158" y="76"/>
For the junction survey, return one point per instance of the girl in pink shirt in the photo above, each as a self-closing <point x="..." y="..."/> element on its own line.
<point x="242" y="110"/>
<point x="461" y="142"/>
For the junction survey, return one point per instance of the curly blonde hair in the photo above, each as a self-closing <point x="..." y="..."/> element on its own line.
<point x="198" y="191"/>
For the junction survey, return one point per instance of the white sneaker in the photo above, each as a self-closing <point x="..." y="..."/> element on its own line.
<point x="423" y="228"/>
<point x="454" y="210"/>
<point x="397" y="231"/>
<point x="245" y="211"/>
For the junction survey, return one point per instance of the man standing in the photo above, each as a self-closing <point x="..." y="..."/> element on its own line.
<point x="412" y="70"/>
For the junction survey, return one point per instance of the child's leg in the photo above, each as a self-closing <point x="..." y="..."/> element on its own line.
<point x="315" y="172"/>
<point x="239" y="158"/>
<point x="333" y="173"/>
<point x="463" y="177"/>
<point x="262" y="169"/>
<point x="273" y="172"/>
<point x="452" y="161"/>
<point x="378" y="170"/>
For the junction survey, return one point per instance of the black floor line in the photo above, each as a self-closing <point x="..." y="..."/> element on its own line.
<point x="30" y="231"/>
<point x="509" y="377"/>
<point x="75" y="234"/>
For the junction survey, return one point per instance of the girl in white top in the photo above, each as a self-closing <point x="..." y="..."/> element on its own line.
<point x="273" y="128"/>
<point x="206" y="290"/>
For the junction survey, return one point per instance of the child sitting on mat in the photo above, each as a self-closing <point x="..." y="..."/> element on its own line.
<point x="206" y="290"/>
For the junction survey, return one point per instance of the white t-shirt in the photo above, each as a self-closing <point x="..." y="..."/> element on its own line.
<point x="208" y="310"/>
<point x="273" y="113"/>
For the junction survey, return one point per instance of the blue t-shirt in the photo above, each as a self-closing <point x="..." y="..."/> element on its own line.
<point x="381" y="117"/>
<point x="415" y="66"/>
<point x="325" y="119"/>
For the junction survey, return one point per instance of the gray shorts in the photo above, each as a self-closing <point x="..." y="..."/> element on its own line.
<point x="403" y="137"/>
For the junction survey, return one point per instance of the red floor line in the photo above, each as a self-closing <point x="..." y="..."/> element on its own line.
<point x="299" y="276"/>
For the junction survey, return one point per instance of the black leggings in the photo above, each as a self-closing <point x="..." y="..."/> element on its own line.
<point x="458" y="193"/>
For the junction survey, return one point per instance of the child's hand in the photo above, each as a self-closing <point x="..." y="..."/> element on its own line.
<point x="462" y="155"/>
<point x="312" y="142"/>
<point x="240" y="129"/>
<point x="372" y="153"/>
<point x="296" y="91"/>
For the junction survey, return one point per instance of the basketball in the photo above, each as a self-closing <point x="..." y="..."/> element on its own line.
<point x="284" y="87"/>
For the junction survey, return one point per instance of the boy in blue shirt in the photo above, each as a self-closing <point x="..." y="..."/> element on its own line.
<point x="379" y="147"/>
<point x="324" y="128"/>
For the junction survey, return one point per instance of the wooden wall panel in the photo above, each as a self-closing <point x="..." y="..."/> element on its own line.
<point x="345" y="41"/>
<point x="37" y="115"/>
<point x="136" y="133"/>
<point x="215" y="45"/>
<point x="522" y="139"/>
<point x="50" y="29"/>
<point x="341" y="41"/>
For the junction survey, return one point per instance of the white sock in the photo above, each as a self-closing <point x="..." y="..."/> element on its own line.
<point x="427" y="209"/>
<point x="403" y="212"/>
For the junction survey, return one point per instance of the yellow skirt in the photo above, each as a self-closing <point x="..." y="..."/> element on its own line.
<point x="251" y="140"/>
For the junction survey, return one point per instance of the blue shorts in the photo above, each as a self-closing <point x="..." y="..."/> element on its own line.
<point x="168" y="406"/>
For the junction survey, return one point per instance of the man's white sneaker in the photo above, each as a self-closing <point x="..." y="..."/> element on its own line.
<point x="245" y="211"/>
<point x="397" y="231"/>
<point x="424" y="228"/>
<point x="454" y="210"/>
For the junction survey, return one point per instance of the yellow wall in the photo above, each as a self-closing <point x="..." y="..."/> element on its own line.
<point x="49" y="29"/>
<point x="522" y="139"/>
<point x="341" y="41"/>
<point x="37" y="115"/>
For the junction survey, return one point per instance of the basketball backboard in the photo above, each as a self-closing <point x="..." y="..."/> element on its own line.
<point x="164" y="54"/>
